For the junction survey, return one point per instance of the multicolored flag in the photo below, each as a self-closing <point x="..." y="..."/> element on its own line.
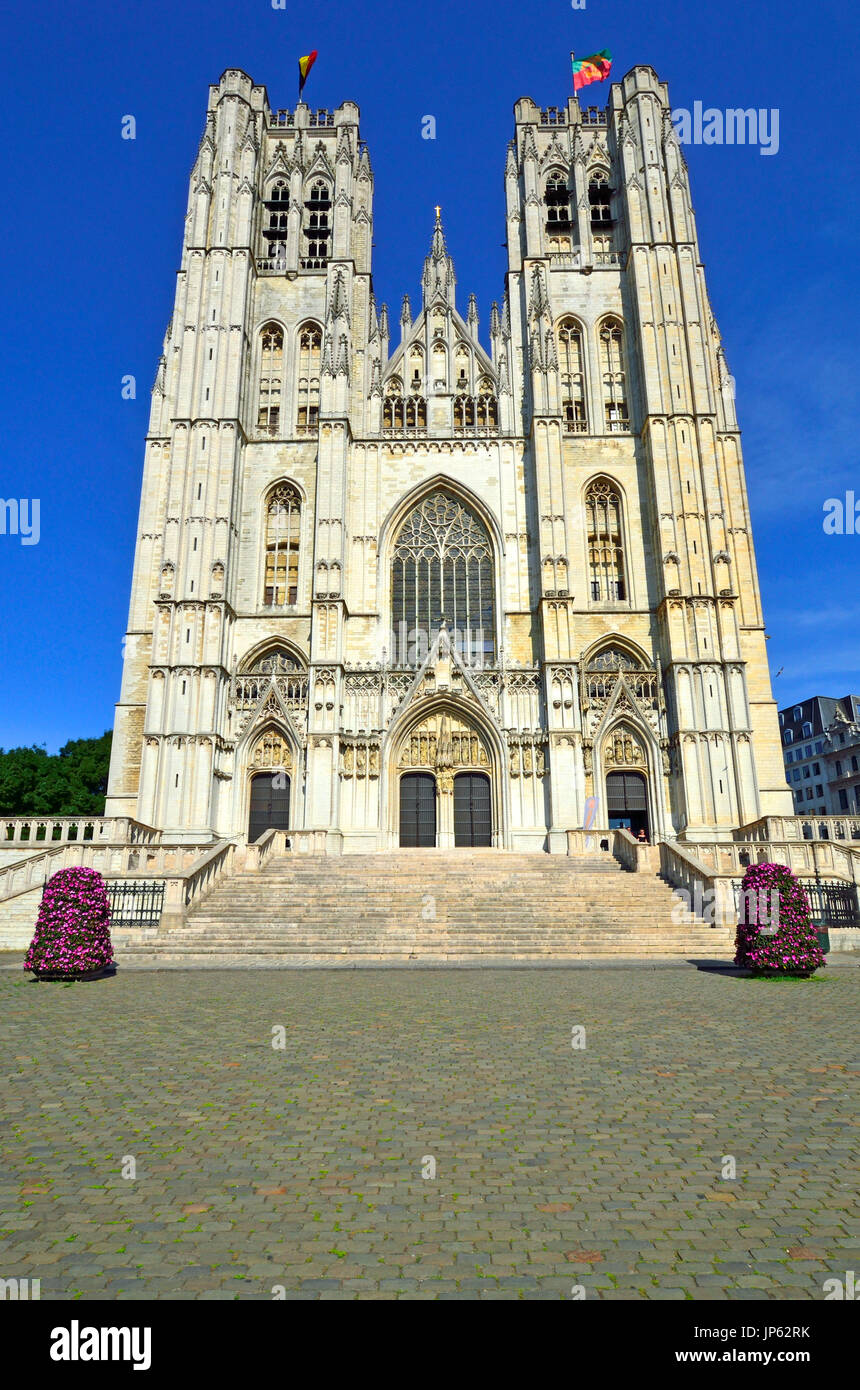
<point x="595" y="68"/>
<point x="305" y="65"/>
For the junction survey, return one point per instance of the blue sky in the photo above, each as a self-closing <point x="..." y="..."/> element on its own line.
<point x="92" y="243"/>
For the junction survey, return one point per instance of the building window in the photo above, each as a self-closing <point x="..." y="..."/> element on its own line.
<point x="401" y="412"/>
<point x="271" y="373"/>
<point x="853" y="763"/>
<point x="614" y="381"/>
<point x="797" y="713"/>
<point x="308" y="393"/>
<point x="819" y="747"/>
<point x="816" y="768"/>
<point x="283" y="519"/>
<point x="809" y="793"/>
<point x="572" y="377"/>
<point x="276" y="218"/>
<point x="317" y="228"/>
<point x="806" y="772"/>
<point x="789" y="757"/>
<point x="557" y="201"/>
<point x="599" y="197"/>
<point x="843" y="799"/>
<point x="806" y="731"/>
<point x="796" y="774"/>
<point x="605" y="547"/>
<point x="838" y="768"/>
<point x="442" y="568"/>
<point x="819" y="790"/>
<point x="480" y="410"/>
<point x="604" y="248"/>
<point x="788" y="736"/>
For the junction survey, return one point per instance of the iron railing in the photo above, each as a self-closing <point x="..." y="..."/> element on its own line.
<point x="135" y="903"/>
<point x="832" y="903"/>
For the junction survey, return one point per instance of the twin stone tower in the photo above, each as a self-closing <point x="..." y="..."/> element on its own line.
<point x="395" y="589"/>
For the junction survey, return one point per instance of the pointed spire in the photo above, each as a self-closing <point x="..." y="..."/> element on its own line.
<point x="376" y="379"/>
<point x="438" y="280"/>
<point x="384" y="331"/>
<point x="405" y="317"/>
<point x="327" y="364"/>
<point x="374" y="321"/>
<point x="472" y="317"/>
<point x="506" y="315"/>
<point x="343" y="357"/>
<point x="495" y="321"/>
<point x="551" y="354"/>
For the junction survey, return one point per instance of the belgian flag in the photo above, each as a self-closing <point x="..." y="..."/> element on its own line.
<point x="305" y="65"/>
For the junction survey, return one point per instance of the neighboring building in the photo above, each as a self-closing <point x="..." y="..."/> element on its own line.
<point x="443" y="595"/>
<point x="821" y="749"/>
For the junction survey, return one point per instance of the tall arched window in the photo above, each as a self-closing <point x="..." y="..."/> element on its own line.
<point x="557" y="201"/>
<point x="308" y="385"/>
<point x="599" y="197"/>
<point x="276" y="220"/>
<point x="317" y="227"/>
<point x="442" y="568"/>
<point x="572" y="377"/>
<point x="283" y="534"/>
<point x="605" y="544"/>
<point x="271" y="375"/>
<point x="614" y="381"/>
<point x="488" y="415"/>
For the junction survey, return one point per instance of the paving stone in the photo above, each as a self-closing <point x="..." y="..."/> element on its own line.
<point x="302" y="1168"/>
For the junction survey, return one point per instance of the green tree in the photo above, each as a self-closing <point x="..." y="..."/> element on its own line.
<point x="72" y="782"/>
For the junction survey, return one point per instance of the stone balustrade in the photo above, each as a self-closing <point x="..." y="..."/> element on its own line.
<point x="844" y="828"/>
<point x="33" y="830"/>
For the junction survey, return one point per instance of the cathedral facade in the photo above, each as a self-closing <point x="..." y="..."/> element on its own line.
<point x="419" y="593"/>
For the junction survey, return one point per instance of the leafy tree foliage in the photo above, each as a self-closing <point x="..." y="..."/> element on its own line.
<point x="72" y="782"/>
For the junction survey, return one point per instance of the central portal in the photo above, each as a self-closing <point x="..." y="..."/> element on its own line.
<point x="473" y="823"/>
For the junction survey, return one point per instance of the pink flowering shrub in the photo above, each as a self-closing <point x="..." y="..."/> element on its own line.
<point x="771" y="897"/>
<point x="73" y="927"/>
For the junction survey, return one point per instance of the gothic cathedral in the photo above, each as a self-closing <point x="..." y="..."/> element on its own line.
<point x="422" y="594"/>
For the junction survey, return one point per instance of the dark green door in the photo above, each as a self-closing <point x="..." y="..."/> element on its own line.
<point x="417" y="811"/>
<point x="472" y="819"/>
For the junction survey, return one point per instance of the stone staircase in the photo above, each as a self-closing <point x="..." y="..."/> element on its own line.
<point x="430" y="906"/>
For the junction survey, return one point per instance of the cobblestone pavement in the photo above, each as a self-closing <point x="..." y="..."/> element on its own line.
<point x="555" y="1166"/>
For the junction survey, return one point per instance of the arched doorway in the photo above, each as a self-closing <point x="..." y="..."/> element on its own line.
<point x="270" y="764"/>
<point x="417" y="810"/>
<point x="270" y="804"/>
<point x="627" y="802"/>
<point x="473" y="821"/>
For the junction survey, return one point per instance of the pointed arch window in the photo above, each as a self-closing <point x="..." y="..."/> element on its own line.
<point x="271" y="377"/>
<point x="317" y="228"/>
<point x="614" y="377"/>
<point x="401" y="412"/>
<point x="442" y="568"/>
<point x="570" y="362"/>
<point x="599" y="197"/>
<point x="276" y="206"/>
<point x="308" y="384"/>
<point x="557" y="201"/>
<point x="605" y="545"/>
<point x="487" y="412"/>
<point x="283" y="535"/>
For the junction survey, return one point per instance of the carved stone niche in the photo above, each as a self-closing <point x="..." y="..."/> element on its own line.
<point x="623" y="749"/>
<point x="272" y="750"/>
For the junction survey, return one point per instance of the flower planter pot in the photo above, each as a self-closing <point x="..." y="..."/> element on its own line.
<point x="74" y="975"/>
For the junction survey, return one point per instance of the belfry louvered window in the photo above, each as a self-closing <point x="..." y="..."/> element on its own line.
<point x="283" y="518"/>
<point x="572" y="377"/>
<point x="442" y="568"/>
<point x="271" y="372"/>
<point x="605" y="545"/>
